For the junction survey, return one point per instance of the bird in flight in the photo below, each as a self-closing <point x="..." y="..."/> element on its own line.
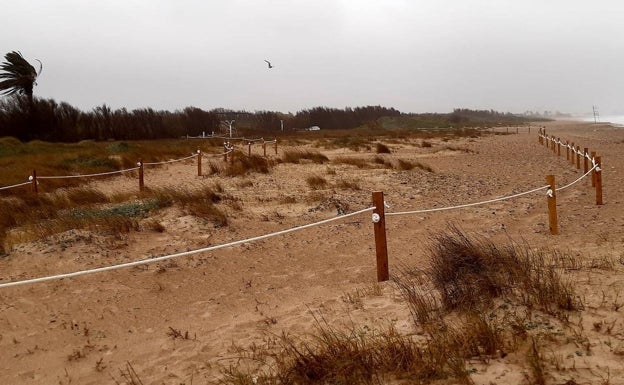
<point x="269" y="63"/>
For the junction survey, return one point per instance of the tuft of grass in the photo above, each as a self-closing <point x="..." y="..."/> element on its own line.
<point x="469" y="272"/>
<point x="381" y="148"/>
<point x="316" y="182"/>
<point x="406" y="165"/>
<point x="357" y="162"/>
<point x="242" y="164"/>
<point x="348" y="185"/>
<point x="296" y="156"/>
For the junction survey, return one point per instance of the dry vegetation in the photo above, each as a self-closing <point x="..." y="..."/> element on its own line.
<point x="476" y="301"/>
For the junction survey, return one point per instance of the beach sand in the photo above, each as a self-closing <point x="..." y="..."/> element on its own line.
<point x="84" y="330"/>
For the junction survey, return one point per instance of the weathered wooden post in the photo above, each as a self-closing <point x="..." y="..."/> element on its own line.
<point x="249" y="148"/>
<point x="275" y="146"/>
<point x="33" y="179"/>
<point x="585" y="161"/>
<point x="141" y="183"/>
<point x="572" y="152"/>
<point x="567" y="151"/>
<point x="558" y="146"/>
<point x="199" y="161"/>
<point x="225" y="153"/>
<point x="379" y="226"/>
<point x="552" y="205"/>
<point x="593" y="178"/>
<point x="578" y="157"/>
<point x="598" y="181"/>
<point x="264" y="148"/>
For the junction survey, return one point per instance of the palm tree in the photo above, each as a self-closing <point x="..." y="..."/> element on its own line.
<point x="18" y="76"/>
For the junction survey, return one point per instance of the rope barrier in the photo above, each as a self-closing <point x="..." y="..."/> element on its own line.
<point x="170" y="256"/>
<point x="468" y="204"/>
<point x="169" y="161"/>
<point x="87" y="175"/>
<point x="14" y="185"/>
<point x="577" y="180"/>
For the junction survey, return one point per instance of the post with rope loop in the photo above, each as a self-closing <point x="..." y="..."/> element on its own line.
<point x="199" y="160"/>
<point x="593" y="178"/>
<point x="558" y="146"/>
<point x="567" y="150"/>
<point x="275" y="146"/>
<point x="585" y="160"/>
<point x="572" y="154"/>
<point x="552" y="205"/>
<point x="379" y="227"/>
<point x="249" y="148"/>
<point x="225" y="153"/>
<point x="33" y="179"/>
<point x="554" y="145"/>
<point x="578" y="157"/>
<point x="598" y="170"/>
<point x="141" y="182"/>
<point x="264" y="148"/>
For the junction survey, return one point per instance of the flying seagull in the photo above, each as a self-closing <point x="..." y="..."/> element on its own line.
<point x="269" y="63"/>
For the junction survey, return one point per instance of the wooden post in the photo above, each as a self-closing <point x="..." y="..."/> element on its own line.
<point x="141" y="184"/>
<point x="516" y="129"/>
<point x="598" y="181"/>
<point x="34" y="182"/>
<point x="264" y="148"/>
<point x="572" y="153"/>
<point x="225" y="153"/>
<point x="507" y="129"/>
<point x="585" y="161"/>
<point x="199" y="160"/>
<point x="558" y="147"/>
<point x="552" y="205"/>
<point x="381" y="247"/>
<point x="593" y="178"/>
<point x="249" y="147"/>
<point x="275" y="146"/>
<point x="578" y="157"/>
<point x="567" y="150"/>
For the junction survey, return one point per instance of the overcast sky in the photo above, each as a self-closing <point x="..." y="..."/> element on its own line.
<point x="417" y="56"/>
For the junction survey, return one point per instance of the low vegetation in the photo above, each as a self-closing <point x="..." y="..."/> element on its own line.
<point x="460" y="306"/>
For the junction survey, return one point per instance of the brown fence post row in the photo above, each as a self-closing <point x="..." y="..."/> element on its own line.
<point x="34" y="182"/>
<point x="552" y="205"/>
<point x="379" y="226"/>
<point x="585" y="160"/>
<point x="598" y="181"/>
<point x="141" y="184"/>
<point x="199" y="160"/>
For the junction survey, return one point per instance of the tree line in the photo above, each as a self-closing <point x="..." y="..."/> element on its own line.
<point x="26" y="117"/>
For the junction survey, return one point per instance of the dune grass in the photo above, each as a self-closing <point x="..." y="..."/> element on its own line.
<point x="453" y="304"/>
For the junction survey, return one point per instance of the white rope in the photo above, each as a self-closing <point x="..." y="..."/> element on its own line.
<point x="14" y="185"/>
<point x="215" y="155"/>
<point x="468" y="204"/>
<point x="87" y="175"/>
<point x="191" y="252"/>
<point x="577" y="180"/>
<point x="169" y="161"/>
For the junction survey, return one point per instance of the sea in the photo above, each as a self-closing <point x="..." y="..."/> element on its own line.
<point x="616" y="120"/>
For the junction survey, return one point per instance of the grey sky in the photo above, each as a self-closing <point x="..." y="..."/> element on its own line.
<point x="417" y="56"/>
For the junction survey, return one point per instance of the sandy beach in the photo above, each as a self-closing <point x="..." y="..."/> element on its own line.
<point x="85" y="330"/>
